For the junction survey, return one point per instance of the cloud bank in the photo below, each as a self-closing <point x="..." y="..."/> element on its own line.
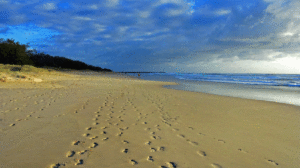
<point x="162" y="35"/>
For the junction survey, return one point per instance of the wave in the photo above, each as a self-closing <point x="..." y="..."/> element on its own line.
<point x="288" y="80"/>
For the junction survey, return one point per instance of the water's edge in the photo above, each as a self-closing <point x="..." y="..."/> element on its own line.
<point x="278" y="94"/>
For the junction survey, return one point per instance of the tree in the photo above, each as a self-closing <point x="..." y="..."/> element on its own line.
<point x="14" y="53"/>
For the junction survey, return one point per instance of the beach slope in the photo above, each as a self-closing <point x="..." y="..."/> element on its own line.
<point x="103" y="121"/>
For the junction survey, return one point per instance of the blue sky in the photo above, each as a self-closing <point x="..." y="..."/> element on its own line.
<point x="202" y="36"/>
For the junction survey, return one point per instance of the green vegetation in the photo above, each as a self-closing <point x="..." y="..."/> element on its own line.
<point x="16" y="54"/>
<point x="7" y="68"/>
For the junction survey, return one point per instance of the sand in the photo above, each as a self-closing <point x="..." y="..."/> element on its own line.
<point x="110" y="121"/>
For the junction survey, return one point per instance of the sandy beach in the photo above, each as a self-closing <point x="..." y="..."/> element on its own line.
<point x="111" y="121"/>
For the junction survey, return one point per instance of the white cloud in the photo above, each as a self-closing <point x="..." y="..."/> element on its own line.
<point x="4" y="1"/>
<point x="175" y="12"/>
<point x="223" y="12"/>
<point x="106" y="36"/>
<point x="144" y="14"/>
<point x="49" y="6"/>
<point x="93" y="7"/>
<point x="19" y="18"/>
<point x="82" y="18"/>
<point x="97" y="42"/>
<point x="186" y="6"/>
<point x="286" y="12"/>
<point x="99" y="28"/>
<point x="122" y="29"/>
<point x="112" y="3"/>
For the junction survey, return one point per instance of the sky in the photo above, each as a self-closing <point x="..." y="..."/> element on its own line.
<point x="184" y="36"/>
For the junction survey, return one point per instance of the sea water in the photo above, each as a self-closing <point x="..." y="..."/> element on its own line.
<point x="281" y="88"/>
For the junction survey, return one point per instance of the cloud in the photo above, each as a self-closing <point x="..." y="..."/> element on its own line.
<point x="162" y="32"/>
<point x="223" y="12"/>
<point x="112" y="3"/>
<point x="49" y="6"/>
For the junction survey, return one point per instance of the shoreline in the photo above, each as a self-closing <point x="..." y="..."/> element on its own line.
<point x="180" y="87"/>
<point x="285" y="95"/>
<point x="130" y="122"/>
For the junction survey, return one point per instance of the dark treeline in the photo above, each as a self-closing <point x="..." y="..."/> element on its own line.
<point x="17" y="54"/>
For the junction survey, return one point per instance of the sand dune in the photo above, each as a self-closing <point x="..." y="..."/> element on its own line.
<point x="101" y="122"/>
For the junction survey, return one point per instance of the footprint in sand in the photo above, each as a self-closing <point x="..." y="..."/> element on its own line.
<point x="79" y="162"/>
<point x="90" y="128"/>
<point x="153" y="137"/>
<point x="171" y="164"/>
<point x="94" y="137"/>
<point x="125" y="142"/>
<point x="201" y="153"/>
<point x="70" y="153"/>
<point x="150" y="158"/>
<point x="181" y="136"/>
<point x="76" y="142"/>
<point x="81" y="152"/>
<point x="193" y="143"/>
<point x="12" y="125"/>
<point x="215" y="165"/>
<point x="133" y="162"/>
<point x="242" y="150"/>
<point x="125" y="151"/>
<point x="220" y="140"/>
<point x="148" y="143"/>
<point x="161" y="148"/>
<point x="104" y="139"/>
<point x="191" y="128"/>
<point x="94" y="145"/>
<point x="103" y="132"/>
<point x="152" y="150"/>
<point x="273" y="162"/>
<point x="56" y="165"/>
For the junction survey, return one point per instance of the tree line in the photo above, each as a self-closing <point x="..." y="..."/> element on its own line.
<point x="12" y="52"/>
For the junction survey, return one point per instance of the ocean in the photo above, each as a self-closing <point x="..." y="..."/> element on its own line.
<point x="281" y="88"/>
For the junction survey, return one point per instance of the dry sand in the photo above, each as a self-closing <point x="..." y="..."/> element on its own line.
<point x="116" y="122"/>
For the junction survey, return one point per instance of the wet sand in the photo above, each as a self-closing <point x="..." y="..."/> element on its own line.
<point x="111" y="121"/>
